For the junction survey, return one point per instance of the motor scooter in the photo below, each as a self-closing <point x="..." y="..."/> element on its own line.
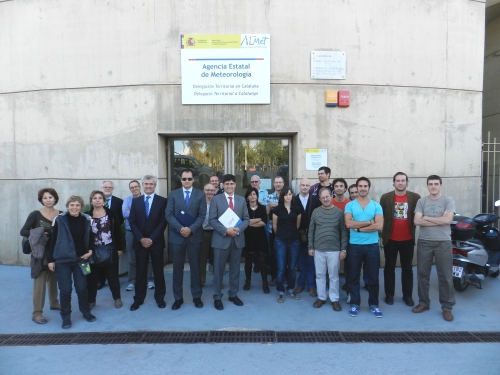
<point x="476" y="249"/>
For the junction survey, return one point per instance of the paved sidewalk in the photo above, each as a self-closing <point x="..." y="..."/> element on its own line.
<point x="476" y="310"/>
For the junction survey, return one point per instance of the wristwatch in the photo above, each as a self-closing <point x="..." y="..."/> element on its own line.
<point x="357" y="229"/>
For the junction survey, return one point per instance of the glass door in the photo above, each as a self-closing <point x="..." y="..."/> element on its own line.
<point x="243" y="157"/>
<point x="204" y="157"/>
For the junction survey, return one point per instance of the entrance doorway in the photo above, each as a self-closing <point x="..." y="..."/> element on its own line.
<point x="241" y="156"/>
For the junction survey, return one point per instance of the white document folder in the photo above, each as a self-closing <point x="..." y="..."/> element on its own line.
<point x="229" y="219"/>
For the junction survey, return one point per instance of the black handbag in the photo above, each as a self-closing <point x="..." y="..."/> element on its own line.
<point x="103" y="255"/>
<point x="26" y="246"/>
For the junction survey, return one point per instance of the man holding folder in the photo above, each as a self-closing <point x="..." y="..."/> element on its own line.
<point x="185" y="213"/>
<point x="229" y="217"/>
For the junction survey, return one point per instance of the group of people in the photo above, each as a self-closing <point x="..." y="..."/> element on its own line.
<point x="313" y="231"/>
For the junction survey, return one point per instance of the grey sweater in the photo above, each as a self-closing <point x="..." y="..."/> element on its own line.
<point x="327" y="231"/>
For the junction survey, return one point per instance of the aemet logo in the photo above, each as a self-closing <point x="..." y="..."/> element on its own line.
<point x="254" y="40"/>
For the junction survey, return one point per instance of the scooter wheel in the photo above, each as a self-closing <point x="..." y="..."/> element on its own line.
<point x="461" y="283"/>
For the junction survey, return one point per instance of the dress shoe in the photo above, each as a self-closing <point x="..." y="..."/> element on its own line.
<point x="272" y="282"/>
<point x="66" y="324"/>
<point x="409" y="301"/>
<point x="118" y="303"/>
<point x="448" y="316"/>
<point x="419" y="308"/>
<point x="318" y="303"/>
<point x="247" y="285"/>
<point x="236" y="301"/>
<point x="135" y="306"/>
<point x="198" y="303"/>
<point x="161" y="304"/>
<point x="177" y="304"/>
<point x="313" y="292"/>
<point x="299" y="289"/>
<point x="90" y="318"/>
<point x="55" y="307"/>
<point x="389" y="300"/>
<point x="92" y="304"/>
<point x="265" y="288"/>
<point x="218" y="304"/>
<point x="336" y="306"/>
<point x="39" y="319"/>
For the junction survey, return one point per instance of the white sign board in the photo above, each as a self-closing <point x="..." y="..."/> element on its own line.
<point x="328" y="64"/>
<point x="316" y="158"/>
<point x="225" y="68"/>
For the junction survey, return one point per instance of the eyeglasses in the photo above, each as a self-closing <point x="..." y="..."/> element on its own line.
<point x="209" y="189"/>
<point x="254" y="182"/>
<point x="327" y="197"/>
<point x="187" y="178"/>
<point x="135" y="187"/>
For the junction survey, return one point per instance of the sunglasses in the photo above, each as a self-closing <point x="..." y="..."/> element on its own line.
<point x="187" y="179"/>
<point x="254" y="182"/>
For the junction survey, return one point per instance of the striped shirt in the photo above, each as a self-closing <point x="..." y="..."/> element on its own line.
<point x="327" y="231"/>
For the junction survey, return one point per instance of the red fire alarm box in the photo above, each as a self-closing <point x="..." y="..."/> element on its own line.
<point x="344" y="99"/>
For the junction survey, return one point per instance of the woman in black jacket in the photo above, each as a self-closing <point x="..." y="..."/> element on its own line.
<point x="43" y="278"/>
<point x="107" y="238"/>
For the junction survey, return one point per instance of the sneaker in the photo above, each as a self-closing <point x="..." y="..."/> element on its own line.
<point x="130" y="287"/>
<point x="151" y="285"/>
<point x="348" y="298"/>
<point x="292" y="295"/>
<point x="376" y="312"/>
<point x="281" y="298"/>
<point x="353" y="311"/>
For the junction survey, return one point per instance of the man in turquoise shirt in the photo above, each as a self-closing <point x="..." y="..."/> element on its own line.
<point x="364" y="218"/>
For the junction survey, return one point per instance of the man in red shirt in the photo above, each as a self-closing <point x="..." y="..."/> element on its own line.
<point x="340" y="188"/>
<point x="398" y="236"/>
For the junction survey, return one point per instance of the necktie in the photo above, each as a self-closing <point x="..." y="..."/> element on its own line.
<point x="186" y="201"/>
<point x="231" y="203"/>
<point x="146" y="205"/>
<point x="107" y="203"/>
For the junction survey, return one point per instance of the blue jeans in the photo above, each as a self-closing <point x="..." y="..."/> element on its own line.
<point x="286" y="253"/>
<point x="306" y="267"/>
<point x="65" y="273"/>
<point x="368" y="258"/>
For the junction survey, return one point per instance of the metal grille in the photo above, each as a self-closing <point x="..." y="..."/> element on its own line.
<point x="237" y="337"/>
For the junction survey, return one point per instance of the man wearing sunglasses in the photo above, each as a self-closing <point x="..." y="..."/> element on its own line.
<point x="185" y="213"/>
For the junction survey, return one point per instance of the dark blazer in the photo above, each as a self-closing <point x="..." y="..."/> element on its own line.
<point x="116" y="206"/>
<point x="304" y="219"/>
<point x="218" y="206"/>
<point x="387" y="203"/>
<point x="197" y="208"/>
<point x="151" y="227"/>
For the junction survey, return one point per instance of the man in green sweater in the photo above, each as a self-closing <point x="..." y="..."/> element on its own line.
<point x="327" y="242"/>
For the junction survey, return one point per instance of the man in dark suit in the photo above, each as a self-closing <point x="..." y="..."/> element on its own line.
<point x="112" y="202"/>
<point x="308" y="203"/>
<point x="227" y="242"/>
<point x="186" y="210"/>
<point x="147" y="222"/>
<point x="115" y="204"/>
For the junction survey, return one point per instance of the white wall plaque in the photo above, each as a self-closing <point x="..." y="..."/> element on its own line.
<point x="328" y="64"/>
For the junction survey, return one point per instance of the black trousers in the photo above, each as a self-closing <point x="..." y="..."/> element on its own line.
<point x="405" y="250"/>
<point x="141" y="281"/>
<point x="111" y="273"/>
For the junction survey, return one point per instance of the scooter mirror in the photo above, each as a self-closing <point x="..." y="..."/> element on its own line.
<point x="497" y="203"/>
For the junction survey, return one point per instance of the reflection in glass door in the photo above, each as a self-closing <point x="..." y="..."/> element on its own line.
<point x="265" y="158"/>
<point x="204" y="157"/>
<point x="243" y="157"/>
